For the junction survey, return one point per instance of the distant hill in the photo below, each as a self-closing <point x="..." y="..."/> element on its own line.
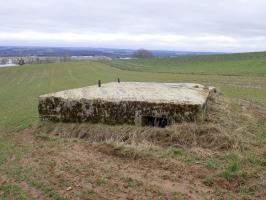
<point x="71" y="51"/>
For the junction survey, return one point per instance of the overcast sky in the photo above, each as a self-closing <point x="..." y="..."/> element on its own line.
<point x="186" y="25"/>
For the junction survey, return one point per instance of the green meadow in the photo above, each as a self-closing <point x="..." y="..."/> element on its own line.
<point x="249" y="64"/>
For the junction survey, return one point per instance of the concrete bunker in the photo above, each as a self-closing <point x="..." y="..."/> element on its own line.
<point x="135" y="103"/>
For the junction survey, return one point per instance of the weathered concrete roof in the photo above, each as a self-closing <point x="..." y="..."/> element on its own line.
<point x="177" y="93"/>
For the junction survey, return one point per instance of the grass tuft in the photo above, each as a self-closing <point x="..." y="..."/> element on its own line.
<point x="232" y="171"/>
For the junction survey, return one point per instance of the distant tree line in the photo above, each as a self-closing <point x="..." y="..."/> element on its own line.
<point x="142" y="53"/>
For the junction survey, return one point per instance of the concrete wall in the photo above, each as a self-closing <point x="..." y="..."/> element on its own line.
<point x="98" y="111"/>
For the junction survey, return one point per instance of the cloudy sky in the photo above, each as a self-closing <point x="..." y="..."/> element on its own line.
<point x="186" y="25"/>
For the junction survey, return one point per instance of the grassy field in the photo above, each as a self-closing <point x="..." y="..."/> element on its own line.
<point x="21" y="86"/>
<point x="250" y="64"/>
<point x="150" y="163"/>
